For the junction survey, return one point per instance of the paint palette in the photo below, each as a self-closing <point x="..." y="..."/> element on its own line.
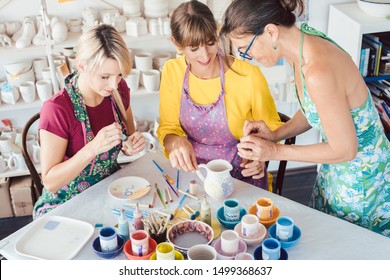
<point x="129" y="188"/>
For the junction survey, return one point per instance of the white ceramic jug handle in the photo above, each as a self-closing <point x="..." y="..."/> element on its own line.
<point x="199" y="173"/>
<point x="36" y="155"/>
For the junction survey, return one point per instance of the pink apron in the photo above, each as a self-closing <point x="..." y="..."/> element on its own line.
<point x="207" y="130"/>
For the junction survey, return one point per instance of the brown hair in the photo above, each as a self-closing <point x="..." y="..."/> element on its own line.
<point x="250" y="16"/>
<point x="193" y="24"/>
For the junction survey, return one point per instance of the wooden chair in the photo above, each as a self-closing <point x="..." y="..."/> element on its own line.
<point x="37" y="182"/>
<point x="277" y="183"/>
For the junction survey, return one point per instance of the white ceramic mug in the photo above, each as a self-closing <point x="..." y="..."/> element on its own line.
<point x="159" y="60"/>
<point x="202" y="252"/>
<point x="143" y="61"/>
<point x="151" y="80"/>
<point x="5" y="146"/>
<point x="229" y="242"/>
<point x="44" y="89"/>
<point x="28" y="92"/>
<point x="139" y="242"/>
<point x="16" y="161"/>
<point x="133" y="80"/>
<point x="36" y="155"/>
<point x="38" y="65"/>
<point x="3" y="164"/>
<point x="250" y="225"/>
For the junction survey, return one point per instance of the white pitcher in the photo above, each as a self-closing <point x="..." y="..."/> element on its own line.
<point x="16" y="161"/>
<point x="218" y="183"/>
<point x="36" y="152"/>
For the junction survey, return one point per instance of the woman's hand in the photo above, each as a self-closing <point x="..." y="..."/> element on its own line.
<point x="254" y="148"/>
<point x="182" y="155"/>
<point x="108" y="137"/>
<point x="134" y="143"/>
<point x="260" y="129"/>
<point x="252" y="168"/>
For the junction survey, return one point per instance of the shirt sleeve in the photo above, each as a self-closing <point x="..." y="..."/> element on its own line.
<point x="55" y="119"/>
<point x="170" y="94"/>
<point x="263" y="105"/>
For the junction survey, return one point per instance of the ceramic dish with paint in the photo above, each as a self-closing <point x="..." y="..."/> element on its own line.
<point x="221" y="256"/>
<point x="267" y="223"/>
<point x="111" y="254"/>
<point x="286" y="244"/>
<point x="257" y="254"/>
<point x="256" y="239"/>
<point x="229" y="224"/>
<point x="129" y="188"/>
<point x="186" y="234"/>
<point x="129" y="251"/>
<point x="178" y="256"/>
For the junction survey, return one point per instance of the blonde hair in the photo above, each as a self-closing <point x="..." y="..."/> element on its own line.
<point x="193" y="24"/>
<point x="100" y="43"/>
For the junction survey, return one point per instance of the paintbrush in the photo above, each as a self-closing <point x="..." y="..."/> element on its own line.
<point x="163" y="173"/>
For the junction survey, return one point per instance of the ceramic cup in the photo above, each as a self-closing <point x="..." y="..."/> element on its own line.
<point x="264" y="207"/>
<point x="133" y="80"/>
<point x="46" y="74"/>
<point x="159" y="60"/>
<point x="108" y="239"/>
<point x="140" y="242"/>
<point x="244" y="256"/>
<point x="229" y="242"/>
<point x="38" y="65"/>
<point x="231" y="210"/>
<point x="202" y="252"/>
<point x="28" y="92"/>
<point x="16" y="161"/>
<point x="44" y="89"/>
<point x="270" y="249"/>
<point x="3" y="164"/>
<point x="143" y="61"/>
<point x="5" y="145"/>
<point x="249" y="225"/>
<point x="165" y="251"/>
<point x="151" y="80"/>
<point x="284" y="228"/>
<point x="36" y="152"/>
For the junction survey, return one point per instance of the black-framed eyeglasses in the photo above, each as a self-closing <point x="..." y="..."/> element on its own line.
<point x="245" y="54"/>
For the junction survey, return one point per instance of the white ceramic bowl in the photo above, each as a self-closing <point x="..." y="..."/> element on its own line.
<point x="221" y="256"/>
<point x="379" y="8"/>
<point x="18" y="68"/>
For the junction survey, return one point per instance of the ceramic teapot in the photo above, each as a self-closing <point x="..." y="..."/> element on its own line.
<point x="218" y="182"/>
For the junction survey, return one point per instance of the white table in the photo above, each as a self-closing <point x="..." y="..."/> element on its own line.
<point x="323" y="236"/>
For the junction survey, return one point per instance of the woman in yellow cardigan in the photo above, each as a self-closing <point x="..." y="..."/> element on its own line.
<point x="206" y="98"/>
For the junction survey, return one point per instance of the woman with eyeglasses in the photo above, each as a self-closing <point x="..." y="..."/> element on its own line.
<point x="354" y="180"/>
<point x="206" y="97"/>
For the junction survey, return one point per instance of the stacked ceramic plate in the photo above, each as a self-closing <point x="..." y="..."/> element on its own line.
<point x="156" y="8"/>
<point x="379" y="8"/>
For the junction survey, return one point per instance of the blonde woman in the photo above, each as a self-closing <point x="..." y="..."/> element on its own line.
<point x="205" y="98"/>
<point x="81" y="127"/>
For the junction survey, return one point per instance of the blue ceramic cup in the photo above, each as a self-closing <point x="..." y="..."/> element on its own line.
<point x="284" y="228"/>
<point x="270" y="249"/>
<point x="108" y="239"/>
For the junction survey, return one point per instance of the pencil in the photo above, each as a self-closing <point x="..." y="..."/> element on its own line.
<point x="165" y="193"/>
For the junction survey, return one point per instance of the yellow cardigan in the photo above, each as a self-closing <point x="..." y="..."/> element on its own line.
<point x="247" y="96"/>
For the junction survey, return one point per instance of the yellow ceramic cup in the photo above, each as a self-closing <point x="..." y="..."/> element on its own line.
<point x="165" y="251"/>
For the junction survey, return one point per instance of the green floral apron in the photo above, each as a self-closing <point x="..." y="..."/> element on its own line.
<point x="99" y="168"/>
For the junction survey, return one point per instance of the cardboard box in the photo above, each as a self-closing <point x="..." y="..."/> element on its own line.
<point x="5" y="199"/>
<point x="21" y="198"/>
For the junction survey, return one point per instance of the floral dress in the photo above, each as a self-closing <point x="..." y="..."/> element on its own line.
<point x="359" y="190"/>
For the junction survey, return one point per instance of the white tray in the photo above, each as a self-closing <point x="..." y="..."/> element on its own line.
<point x="54" y="238"/>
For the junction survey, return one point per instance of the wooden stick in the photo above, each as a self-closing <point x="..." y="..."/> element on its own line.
<point x="188" y="194"/>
